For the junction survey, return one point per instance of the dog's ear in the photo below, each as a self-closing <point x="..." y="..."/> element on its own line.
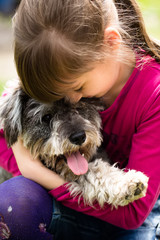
<point x="11" y="113"/>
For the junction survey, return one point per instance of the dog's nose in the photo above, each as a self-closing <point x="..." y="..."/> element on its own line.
<point x="78" y="137"/>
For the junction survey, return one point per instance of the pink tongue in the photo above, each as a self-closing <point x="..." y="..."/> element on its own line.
<point x="77" y="163"/>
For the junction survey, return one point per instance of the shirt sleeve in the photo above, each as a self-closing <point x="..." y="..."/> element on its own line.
<point x="145" y="157"/>
<point x="7" y="159"/>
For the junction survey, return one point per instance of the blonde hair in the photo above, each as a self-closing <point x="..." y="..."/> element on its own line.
<point x="57" y="40"/>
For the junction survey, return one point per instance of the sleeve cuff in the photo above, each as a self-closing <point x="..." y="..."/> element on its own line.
<point x="60" y="192"/>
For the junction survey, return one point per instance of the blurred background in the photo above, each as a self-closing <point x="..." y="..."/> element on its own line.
<point x="150" y="10"/>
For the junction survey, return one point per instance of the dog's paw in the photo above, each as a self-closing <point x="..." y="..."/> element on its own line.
<point x="136" y="187"/>
<point x="136" y="191"/>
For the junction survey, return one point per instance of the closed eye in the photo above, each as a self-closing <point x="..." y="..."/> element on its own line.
<point x="79" y="89"/>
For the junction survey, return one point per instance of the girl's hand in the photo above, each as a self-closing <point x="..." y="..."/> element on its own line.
<point x="34" y="169"/>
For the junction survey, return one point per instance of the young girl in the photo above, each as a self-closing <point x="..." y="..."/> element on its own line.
<point x="74" y="49"/>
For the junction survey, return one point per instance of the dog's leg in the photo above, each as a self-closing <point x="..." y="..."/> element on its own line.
<point x="108" y="184"/>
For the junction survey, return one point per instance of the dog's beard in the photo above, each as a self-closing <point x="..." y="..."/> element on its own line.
<point x="59" y="154"/>
<point x="72" y="163"/>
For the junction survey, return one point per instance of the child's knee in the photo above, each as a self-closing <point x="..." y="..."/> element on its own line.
<point x="25" y="209"/>
<point x="24" y="197"/>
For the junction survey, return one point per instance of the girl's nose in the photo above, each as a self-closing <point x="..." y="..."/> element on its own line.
<point x="75" y="97"/>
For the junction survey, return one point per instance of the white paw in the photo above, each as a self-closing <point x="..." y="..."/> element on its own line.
<point x="136" y="186"/>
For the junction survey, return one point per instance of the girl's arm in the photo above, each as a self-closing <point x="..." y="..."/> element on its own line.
<point x="133" y="215"/>
<point x="145" y="157"/>
<point x="34" y="169"/>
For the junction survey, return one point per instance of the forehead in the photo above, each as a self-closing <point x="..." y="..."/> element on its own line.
<point x="77" y="80"/>
<point x="68" y="85"/>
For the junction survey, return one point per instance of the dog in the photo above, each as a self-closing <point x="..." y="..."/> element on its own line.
<point x="67" y="138"/>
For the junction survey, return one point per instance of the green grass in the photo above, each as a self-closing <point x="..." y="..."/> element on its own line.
<point x="151" y="14"/>
<point x="1" y="86"/>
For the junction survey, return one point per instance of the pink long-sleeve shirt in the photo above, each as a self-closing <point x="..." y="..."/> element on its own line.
<point x="7" y="159"/>
<point x="131" y="129"/>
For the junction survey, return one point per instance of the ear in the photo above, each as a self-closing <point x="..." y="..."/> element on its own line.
<point x="112" y="37"/>
<point x="11" y="113"/>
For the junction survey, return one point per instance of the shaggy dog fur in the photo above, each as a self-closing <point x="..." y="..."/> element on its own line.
<point x="66" y="137"/>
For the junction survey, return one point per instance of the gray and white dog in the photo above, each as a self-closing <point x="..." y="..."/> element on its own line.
<point x="66" y="137"/>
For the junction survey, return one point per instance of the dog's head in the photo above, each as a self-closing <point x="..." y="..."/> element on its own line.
<point x="58" y="132"/>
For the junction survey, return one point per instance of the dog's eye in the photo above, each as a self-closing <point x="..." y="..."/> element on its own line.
<point x="47" y="118"/>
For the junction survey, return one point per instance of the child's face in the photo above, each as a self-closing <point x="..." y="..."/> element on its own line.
<point x="95" y="83"/>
